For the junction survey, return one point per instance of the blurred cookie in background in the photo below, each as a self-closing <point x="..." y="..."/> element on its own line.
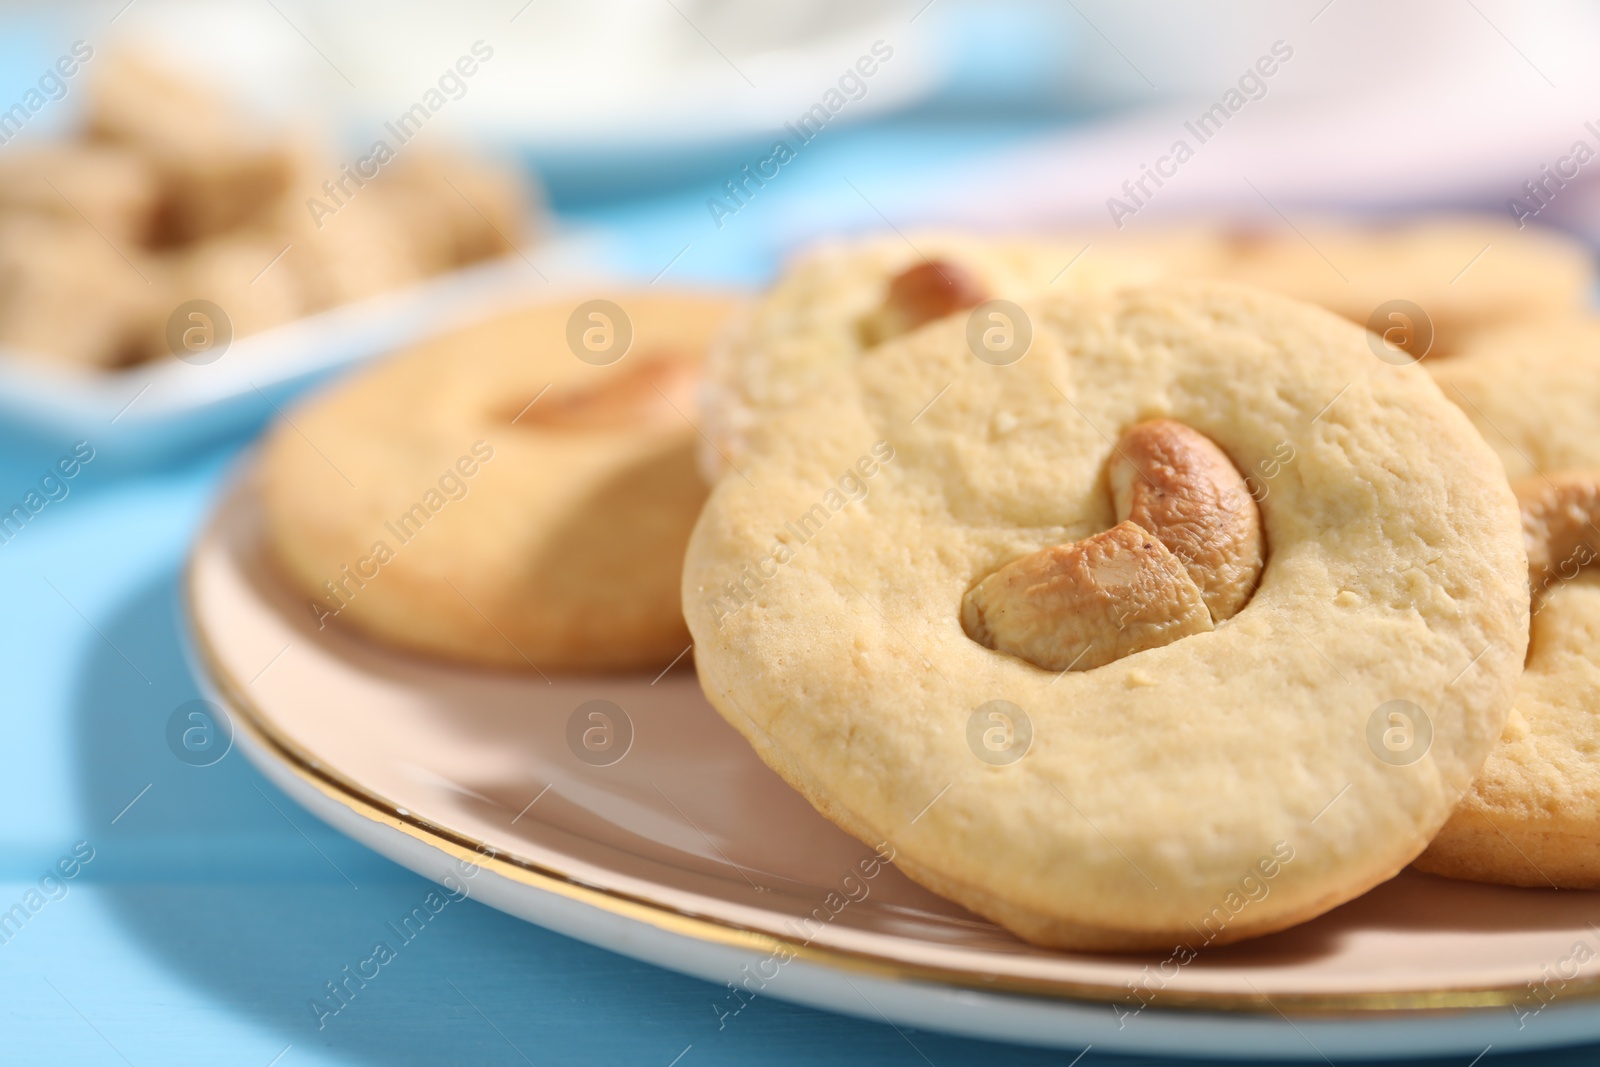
<point x="243" y="273"/>
<point x="423" y="213"/>
<point x="215" y="167"/>
<point x="518" y="494"/>
<point x="169" y="195"/>
<point x="70" y="298"/>
<point x="108" y="187"/>
<point x="1533" y="391"/>
<point x="1533" y="816"/>
<point x="1465" y="273"/>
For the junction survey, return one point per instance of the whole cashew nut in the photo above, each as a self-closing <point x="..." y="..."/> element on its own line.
<point x="1186" y="553"/>
<point x="1560" y="514"/>
<point x="930" y="290"/>
<point x="643" y="391"/>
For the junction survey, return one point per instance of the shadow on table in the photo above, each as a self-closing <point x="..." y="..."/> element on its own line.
<point x="257" y="906"/>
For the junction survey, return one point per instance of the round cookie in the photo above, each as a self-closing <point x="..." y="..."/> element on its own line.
<point x="1532" y="391"/>
<point x="490" y="497"/>
<point x="1466" y="273"/>
<point x="1221" y="785"/>
<point x="828" y="308"/>
<point x="1533" y="816"/>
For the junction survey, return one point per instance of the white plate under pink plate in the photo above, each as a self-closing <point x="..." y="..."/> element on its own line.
<point x="689" y="853"/>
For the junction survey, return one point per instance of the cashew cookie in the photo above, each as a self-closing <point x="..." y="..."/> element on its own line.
<point x="491" y="498"/>
<point x="838" y="302"/>
<point x="1533" y="816"/>
<point x="1375" y="554"/>
<point x="1463" y="274"/>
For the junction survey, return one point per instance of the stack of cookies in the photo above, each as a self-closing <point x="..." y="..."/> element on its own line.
<point x="1175" y="589"/>
<point x="169" y="196"/>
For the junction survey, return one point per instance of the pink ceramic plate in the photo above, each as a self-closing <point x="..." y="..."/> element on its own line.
<point x="644" y="824"/>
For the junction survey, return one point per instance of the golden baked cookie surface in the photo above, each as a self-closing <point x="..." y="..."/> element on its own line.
<point x="1533" y="817"/>
<point x="490" y="497"/>
<point x="1465" y="273"/>
<point x="1533" y="392"/>
<point x="826" y="309"/>
<point x="1236" y="769"/>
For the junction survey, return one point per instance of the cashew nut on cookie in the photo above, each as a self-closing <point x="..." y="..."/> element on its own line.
<point x="646" y="390"/>
<point x="920" y="294"/>
<point x="1185" y="554"/>
<point x="1559" y="523"/>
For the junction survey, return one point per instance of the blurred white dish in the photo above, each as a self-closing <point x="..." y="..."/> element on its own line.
<point x="570" y="76"/>
<point x="154" y="409"/>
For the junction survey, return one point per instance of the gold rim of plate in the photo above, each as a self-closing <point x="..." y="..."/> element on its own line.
<point x="710" y="930"/>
